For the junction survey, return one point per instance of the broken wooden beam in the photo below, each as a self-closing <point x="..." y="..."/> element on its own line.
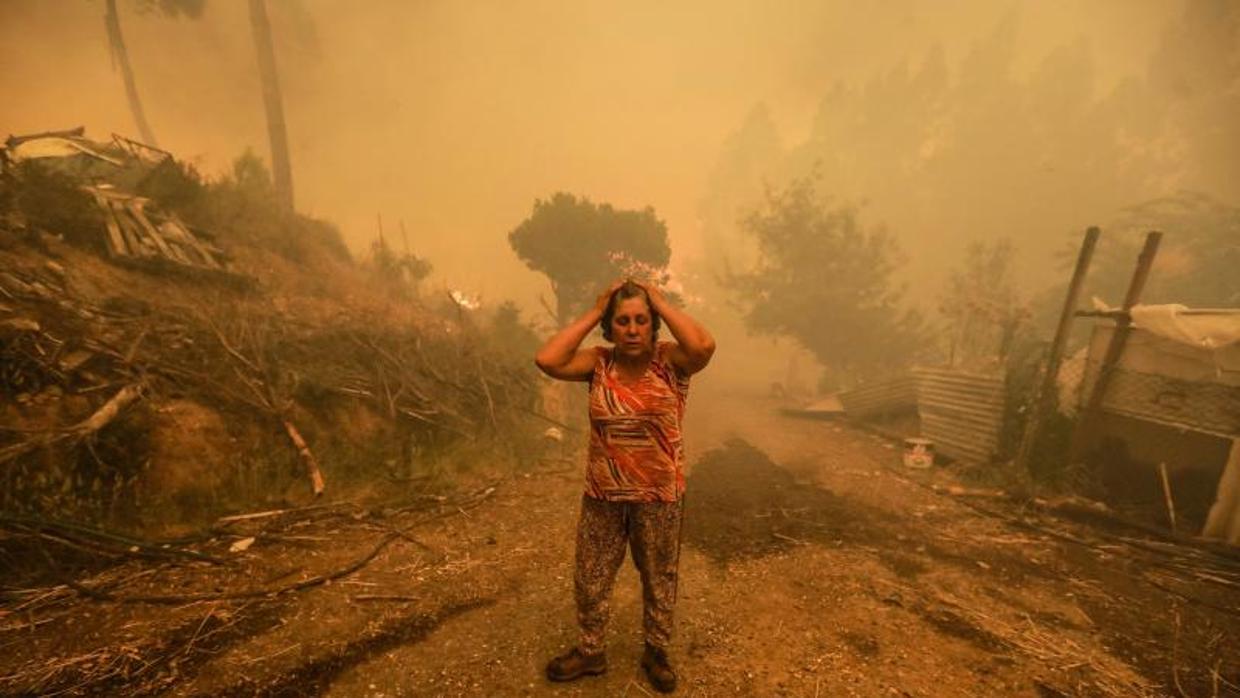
<point x="307" y="458"/>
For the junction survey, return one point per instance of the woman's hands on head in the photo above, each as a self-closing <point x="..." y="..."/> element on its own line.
<point x="600" y="304"/>
<point x="561" y="356"/>
<point x="657" y="299"/>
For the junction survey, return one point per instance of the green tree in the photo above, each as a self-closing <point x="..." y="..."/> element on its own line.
<point x="580" y="246"/>
<point x="827" y="282"/>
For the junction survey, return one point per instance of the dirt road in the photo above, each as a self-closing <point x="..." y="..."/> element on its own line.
<point x="813" y="566"/>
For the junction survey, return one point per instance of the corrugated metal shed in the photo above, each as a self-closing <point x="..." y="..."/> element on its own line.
<point x="961" y="411"/>
<point x="887" y="396"/>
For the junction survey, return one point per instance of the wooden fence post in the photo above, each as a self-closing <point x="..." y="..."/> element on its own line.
<point x="1046" y="388"/>
<point x="1087" y="423"/>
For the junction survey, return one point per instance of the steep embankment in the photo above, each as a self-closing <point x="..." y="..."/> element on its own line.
<point x="173" y="356"/>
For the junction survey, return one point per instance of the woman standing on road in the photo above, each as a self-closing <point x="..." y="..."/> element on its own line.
<point x="635" y="472"/>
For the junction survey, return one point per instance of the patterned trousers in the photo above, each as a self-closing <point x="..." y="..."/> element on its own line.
<point x="652" y="530"/>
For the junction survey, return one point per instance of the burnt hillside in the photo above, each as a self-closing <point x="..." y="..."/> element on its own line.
<point x="174" y="348"/>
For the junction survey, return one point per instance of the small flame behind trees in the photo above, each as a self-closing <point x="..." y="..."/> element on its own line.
<point x="827" y="282"/>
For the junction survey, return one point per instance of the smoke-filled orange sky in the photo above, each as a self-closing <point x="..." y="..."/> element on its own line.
<point x="455" y="116"/>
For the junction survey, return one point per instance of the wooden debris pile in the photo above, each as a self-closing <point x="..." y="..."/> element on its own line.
<point x="38" y="361"/>
<point x="72" y="369"/>
<point x="135" y="230"/>
<point x="138" y="230"/>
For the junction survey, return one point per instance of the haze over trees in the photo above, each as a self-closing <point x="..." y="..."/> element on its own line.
<point x="1198" y="262"/>
<point x="273" y="100"/>
<point x="980" y="305"/>
<point x="826" y="280"/>
<point x="947" y="151"/>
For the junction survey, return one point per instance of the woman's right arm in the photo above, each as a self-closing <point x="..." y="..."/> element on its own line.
<point x="562" y="356"/>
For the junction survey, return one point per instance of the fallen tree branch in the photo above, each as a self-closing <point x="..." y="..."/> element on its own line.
<point x="307" y="458"/>
<point x="474" y="500"/>
<point x="104" y="415"/>
<point x="101" y="418"/>
<point x="103" y="541"/>
<point x="249" y="594"/>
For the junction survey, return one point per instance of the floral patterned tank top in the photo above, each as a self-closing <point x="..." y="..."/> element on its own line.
<point x="636" y="452"/>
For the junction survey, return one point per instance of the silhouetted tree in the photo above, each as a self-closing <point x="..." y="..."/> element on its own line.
<point x="825" y="281"/>
<point x="273" y="103"/>
<point x="120" y="53"/>
<point x="581" y="246"/>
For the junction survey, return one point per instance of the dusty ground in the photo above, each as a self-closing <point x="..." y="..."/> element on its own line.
<point x="813" y="566"/>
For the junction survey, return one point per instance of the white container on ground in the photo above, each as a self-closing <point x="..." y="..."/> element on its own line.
<point x="918" y="453"/>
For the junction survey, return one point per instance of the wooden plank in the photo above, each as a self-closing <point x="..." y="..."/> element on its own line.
<point x="133" y="235"/>
<point x="137" y="208"/>
<point x="116" y="242"/>
<point x="180" y="238"/>
<point x="191" y="241"/>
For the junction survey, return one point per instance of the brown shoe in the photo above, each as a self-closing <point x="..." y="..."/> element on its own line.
<point x="575" y="664"/>
<point x="660" y="672"/>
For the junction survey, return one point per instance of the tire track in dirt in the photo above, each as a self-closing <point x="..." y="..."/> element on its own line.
<point x="316" y="675"/>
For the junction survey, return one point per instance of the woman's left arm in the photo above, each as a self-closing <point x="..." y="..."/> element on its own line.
<point x="695" y="345"/>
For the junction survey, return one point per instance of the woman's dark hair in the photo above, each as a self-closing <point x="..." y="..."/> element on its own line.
<point x="625" y="292"/>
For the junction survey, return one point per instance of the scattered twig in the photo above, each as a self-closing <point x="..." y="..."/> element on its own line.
<point x="1175" y="654"/>
<point x="1166" y="487"/>
<point x="99" y="540"/>
<point x="247" y="594"/>
<point x="273" y="655"/>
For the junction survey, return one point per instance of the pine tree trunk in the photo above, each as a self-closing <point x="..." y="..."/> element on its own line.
<point x="277" y="133"/>
<point x="112" y="20"/>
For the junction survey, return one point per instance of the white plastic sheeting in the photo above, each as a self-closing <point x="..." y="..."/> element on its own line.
<point x="56" y="147"/>
<point x="1205" y="329"/>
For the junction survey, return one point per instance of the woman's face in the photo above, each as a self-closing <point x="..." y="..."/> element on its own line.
<point x="630" y="326"/>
